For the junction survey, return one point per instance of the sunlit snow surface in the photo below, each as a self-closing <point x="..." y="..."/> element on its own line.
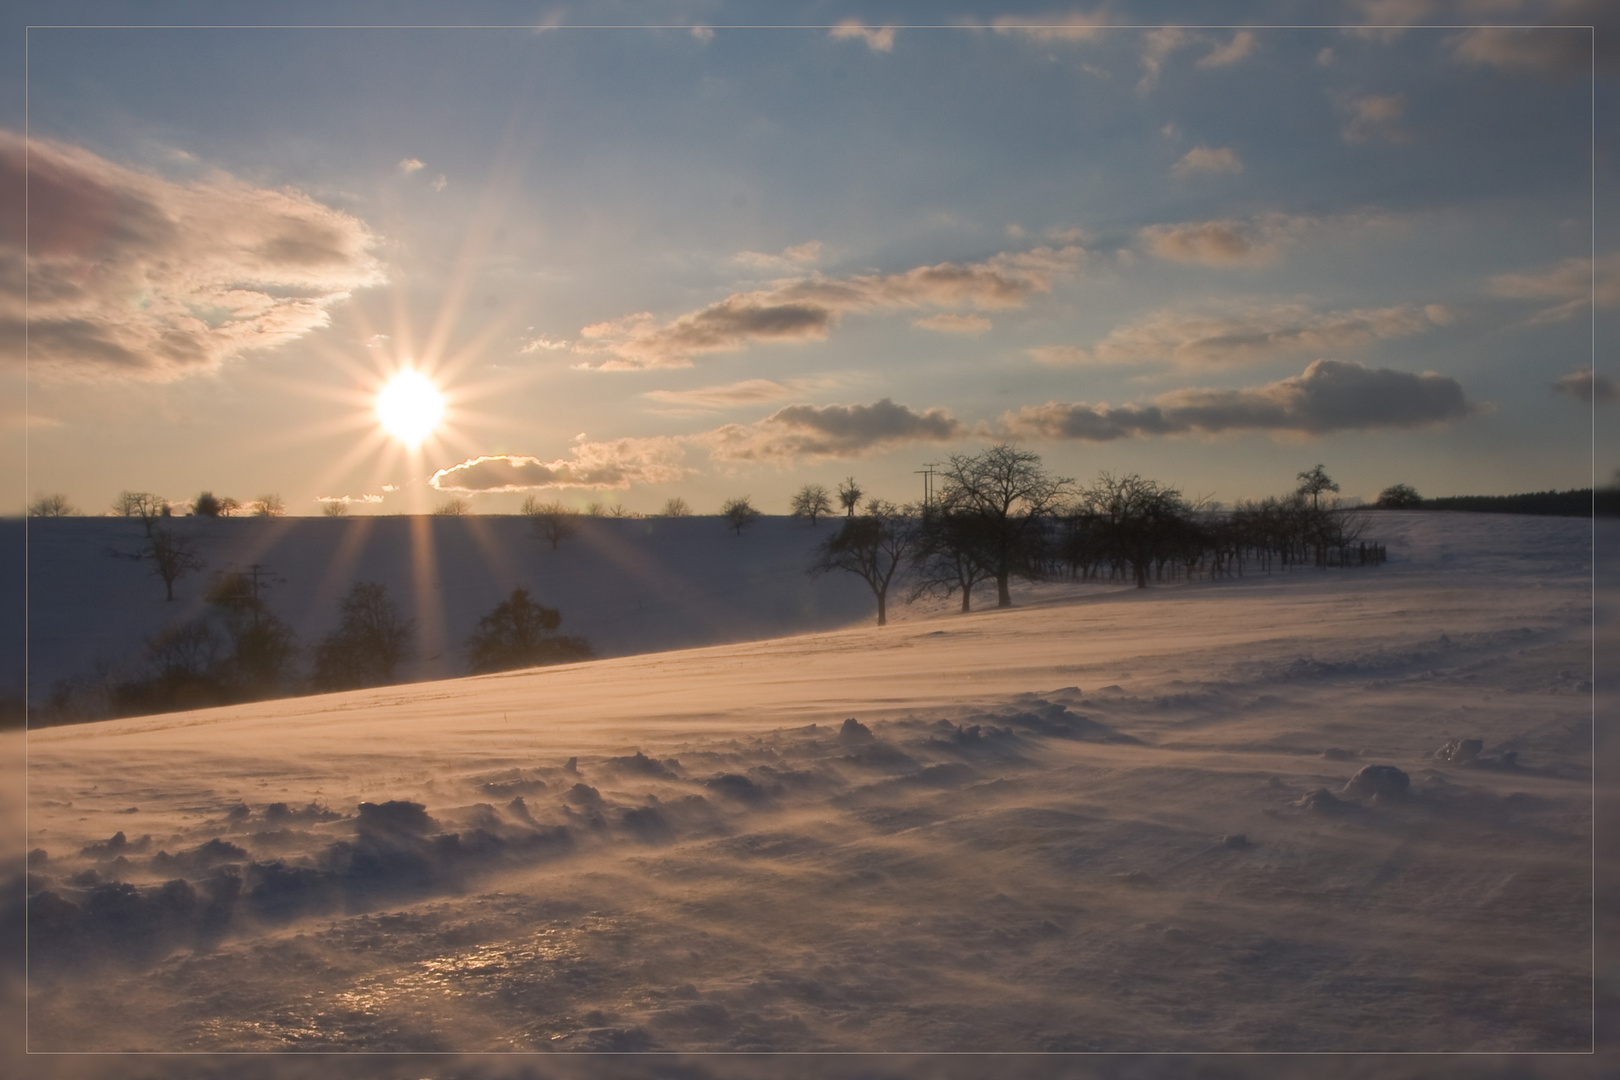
<point x="1089" y="823"/>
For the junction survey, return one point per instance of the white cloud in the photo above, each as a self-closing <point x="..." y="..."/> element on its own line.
<point x="542" y="344"/>
<point x="1208" y="159"/>
<point x="1255" y="335"/>
<point x="704" y="34"/>
<point x="439" y="183"/>
<point x="409" y="165"/>
<point x="1329" y="396"/>
<point x="877" y="38"/>
<point x="807" y="309"/>
<point x="616" y="464"/>
<point x="187" y="275"/>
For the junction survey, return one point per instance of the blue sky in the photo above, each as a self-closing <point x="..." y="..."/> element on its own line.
<point x="706" y="260"/>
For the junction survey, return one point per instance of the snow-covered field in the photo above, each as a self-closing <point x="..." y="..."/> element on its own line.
<point x="1108" y="819"/>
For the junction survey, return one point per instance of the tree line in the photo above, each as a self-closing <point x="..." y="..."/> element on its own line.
<point x="239" y="650"/>
<point x="1001" y="515"/>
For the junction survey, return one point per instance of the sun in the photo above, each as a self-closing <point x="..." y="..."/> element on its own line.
<point x="409" y="407"/>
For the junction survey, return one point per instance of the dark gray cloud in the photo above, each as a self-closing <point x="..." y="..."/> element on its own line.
<point x="1330" y="395"/>
<point x="807" y="309"/>
<point x="807" y="432"/>
<point x="186" y="276"/>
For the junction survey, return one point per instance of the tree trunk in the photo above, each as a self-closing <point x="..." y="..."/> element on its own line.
<point x="1003" y="595"/>
<point x="883" y="616"/>
<point x="967" y="599"/>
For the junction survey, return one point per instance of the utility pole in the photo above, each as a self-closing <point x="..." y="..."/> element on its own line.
<point x="927" y="474"/>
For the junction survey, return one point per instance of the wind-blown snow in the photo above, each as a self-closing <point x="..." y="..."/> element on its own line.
<point x="1105" y="820"/>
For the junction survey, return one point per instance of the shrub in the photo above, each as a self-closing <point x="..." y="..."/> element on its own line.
<point x="521" y="633"/>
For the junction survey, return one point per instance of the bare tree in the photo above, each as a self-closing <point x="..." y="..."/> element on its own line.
<point x="874" y="546"/>
<point x="1008" y="497"/>
<point x="335" y="508"/>
<point x="1313" y="482"/>
<point x="811" y="501"/>
<point x="676" y="507"/>
<point x="1138" y="522"/>
<point x="552" y="522"/>
<point x="453" y="508"/>
<point x="171" y="557"/>
<point x="269" y="506"/>
<point x="739" y="514"/>
<point x="144" y="505"/>
<point x="849" y="496"/>
<point x="53" y="505"/>
<point x="944" y="559"/>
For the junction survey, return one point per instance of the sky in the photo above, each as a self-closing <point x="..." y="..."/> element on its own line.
<point x="758" y="246"/>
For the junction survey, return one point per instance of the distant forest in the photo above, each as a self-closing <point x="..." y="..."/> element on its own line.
<point x="1577" y="502"/>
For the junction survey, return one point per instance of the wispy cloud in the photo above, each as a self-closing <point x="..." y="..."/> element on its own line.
<point x="877" y="38"/>
<point x="1330" y="395"/>
<point x="807" y="309"/>
<point x="1586" y="385"/>
<point x="1255" y="335"/>
<point x="1208" y="159"/>
<point x="614" y="464"/>
<point x="1572" y="285"/>
<point x="1157" y="45"/>
<point x="1253" y="242"/>
<point x="1073" y="26"/>
<point x="186" y="276"/>
<point x="792" y="259"/>
<point x="542" y="344"/>
<point x="1240" y="48"/>
<point x="810" y="432"/>
<point x="948" y="323"/>
<point x="1374" y="117"/>
<point x="733" y="395"/>
<point x="1557" y="51"/>
<point x="410" y="165"/>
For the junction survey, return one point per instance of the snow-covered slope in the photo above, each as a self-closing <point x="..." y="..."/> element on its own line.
<point x="1117" y="820"/>
<point x="627" y="585"/>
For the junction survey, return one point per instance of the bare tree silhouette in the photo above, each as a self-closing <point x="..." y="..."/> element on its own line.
<point x="1009" y="497"/>
<point x="739" y="514"/>
<point x="849" y="496"/>
<point x="874" y="546"/>
<point x="811" y="501"/>
<point x="552" y="522"/>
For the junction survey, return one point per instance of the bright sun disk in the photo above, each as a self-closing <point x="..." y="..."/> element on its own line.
<point x="409" y="407"/>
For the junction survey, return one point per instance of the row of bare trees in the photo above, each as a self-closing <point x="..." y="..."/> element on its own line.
<point x="1000" y="515"/>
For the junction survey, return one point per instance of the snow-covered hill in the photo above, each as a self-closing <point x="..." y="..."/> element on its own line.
<point x="1106" y="820"/>
<point x="627" y="585"/>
